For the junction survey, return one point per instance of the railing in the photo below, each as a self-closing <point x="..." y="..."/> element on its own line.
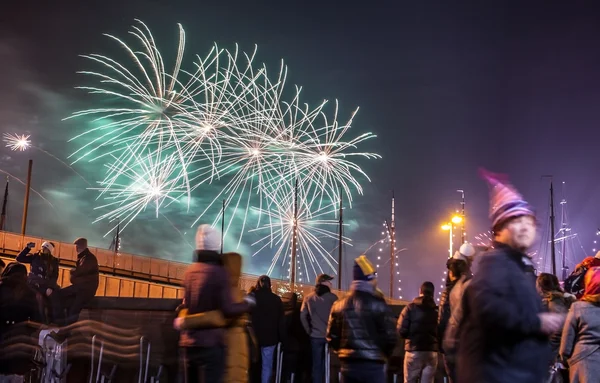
<point x="129" y="275"/>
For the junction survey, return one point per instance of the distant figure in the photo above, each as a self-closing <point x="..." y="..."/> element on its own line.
<point x="84" y="283"/>
<point x="504" y="332"/>
<point x="44" y="267"/>
<point x="314" y="314"/>
<point x="417" y="324"/>
<point x="459" y="273"/>
<point x="268" y="324"/>
<point x="361" y="328"/>
<point x="580" y="343"/>
<point x="208" y="288"/>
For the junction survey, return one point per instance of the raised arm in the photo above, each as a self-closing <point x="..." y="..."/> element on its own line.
<point x="25" y="256"/>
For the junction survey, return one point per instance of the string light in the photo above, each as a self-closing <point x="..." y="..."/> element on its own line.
<point x="387" y="240"/>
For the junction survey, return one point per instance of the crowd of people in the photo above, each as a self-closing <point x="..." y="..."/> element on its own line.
<point x="501" y="322"/>
<point x="36" y="295"/>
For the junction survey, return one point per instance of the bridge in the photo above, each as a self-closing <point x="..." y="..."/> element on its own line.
<point x="128" y="275"/>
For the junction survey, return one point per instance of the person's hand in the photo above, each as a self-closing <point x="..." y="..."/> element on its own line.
<point x="551" y="322"/>
<point x="178" y="323"/>
<point x="31" y="245"/>
<point x="250" y="300"/>
<point x="48" y="292"/>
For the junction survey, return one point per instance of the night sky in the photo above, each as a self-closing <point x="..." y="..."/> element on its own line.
<point x="511" y="86"/>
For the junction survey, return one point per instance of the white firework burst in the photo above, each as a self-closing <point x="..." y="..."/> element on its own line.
<point x="17" y="142"/>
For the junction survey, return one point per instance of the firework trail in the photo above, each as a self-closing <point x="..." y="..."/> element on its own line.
<point x="24" y="184"/>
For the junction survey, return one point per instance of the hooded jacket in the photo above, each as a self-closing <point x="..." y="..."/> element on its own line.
<point x="315" y="311"/>
<point x="417" y="324"/>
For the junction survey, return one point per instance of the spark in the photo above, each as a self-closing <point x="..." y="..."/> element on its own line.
<point x="17" y="142"/>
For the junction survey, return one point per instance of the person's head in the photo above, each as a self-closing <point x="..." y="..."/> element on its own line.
<point x="363" y="270"/>
<point x="2" y="266"/>
<point x="48" y="248"/>
<point x="547" y="283"/>
<point x="513" y="219"/>
<point x="15" y="270"/>
<point x="324" y="279"/>
<point x="592" y="282"/>
<point x="207" y="238"/>
<point x="427" y="289"/>
<point x="518" y="232"/>
<point x="80" y="245"/>
<point x="457" y="268"/>
<point x="263" y="283"/>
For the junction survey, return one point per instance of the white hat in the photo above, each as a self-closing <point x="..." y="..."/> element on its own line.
<point x="48" y="246"/>
<point x="207" y="238"/>
<point x="465" y="252"/>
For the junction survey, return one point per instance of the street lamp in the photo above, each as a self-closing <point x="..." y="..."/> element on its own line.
<point x="455" y="220"/>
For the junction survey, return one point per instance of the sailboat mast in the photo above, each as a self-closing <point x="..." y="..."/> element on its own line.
<point x="552" y="219"/>
<point x="392" y="246"/>
<point x="4" y="203"/>
<point x="294" y="239"/>
<point x="339" y="284"/>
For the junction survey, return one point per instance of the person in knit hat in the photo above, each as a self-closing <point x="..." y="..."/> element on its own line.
<point x="43" y="276"/>
<point x="207" y="288"/>
<point x="361" y="328"/>
<point x="459" y="271"/>
<point x="504" y="334"/>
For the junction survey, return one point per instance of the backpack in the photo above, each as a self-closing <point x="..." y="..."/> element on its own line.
<point x="575" y="284"/>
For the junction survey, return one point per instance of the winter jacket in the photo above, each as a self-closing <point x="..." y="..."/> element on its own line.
<point x="444" y="312"/>
<point x="315" y="311"/>
<point x="452" y="333"/>
<point x="361" y="326"/>
<point x="556" y="302"/>
<point x="295" y="334"/>
<point x="18" y="301"/>
<point x="43" y="274"/>
<point x="267" y="318"/>
<point x="85" y="275"/>
<point x="208" y="287"/>
<point x="417" y="324"/>
<point x="500" y="337"/>
<point x="580" y="341"/>
<point x="236" y="337"/>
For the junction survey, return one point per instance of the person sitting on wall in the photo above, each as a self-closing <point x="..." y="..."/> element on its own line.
<point x="84" y="283"/>
<point x="2" y="266"/>
<point x="43" y="275"/>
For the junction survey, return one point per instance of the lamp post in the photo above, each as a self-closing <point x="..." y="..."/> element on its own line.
<point x="455" y="220"/>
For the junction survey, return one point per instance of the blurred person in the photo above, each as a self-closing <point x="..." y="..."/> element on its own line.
<point x="236" y="338"/>
<point x="554" y="300"/>
<point x="504" y="332"/>
<point x="314" y="314"/>
<point x="574" y="284"/>
<point x="18" y="300"/>
<point x="84" y="283"/>
<point x="459" y="273"/>
<point x="2" y="266"/>
<point x="268" y="325"/>
<point x="208" y="288"/>
<point x="580" y="343"/>
<point x="361" y="328"/>
<point x="295" y="337"/>
<point x="417" y="324"/>
<point x="43" y="275"/>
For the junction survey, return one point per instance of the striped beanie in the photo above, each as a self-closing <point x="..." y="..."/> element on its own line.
<point x="505" y="200"/>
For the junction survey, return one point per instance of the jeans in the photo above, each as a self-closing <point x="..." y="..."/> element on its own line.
<point x="268" y="355"/>
<point x="362" y="372"/>
<point x="318" y="359"/>
<point x="420" y="364"/>
<point x="211" y="360"/>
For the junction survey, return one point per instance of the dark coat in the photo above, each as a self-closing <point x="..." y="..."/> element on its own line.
<point x="268" y="320"/>
<point x="85" y="275"/>
<point x="444" y="312"/>
<point x="44" y="270"/>
<point x="18" y="301"/>
<point x="417" y="324"/>
<point x="361" y="326"/>
<point x="500" y="337"/>
<point x="208" y="288"/>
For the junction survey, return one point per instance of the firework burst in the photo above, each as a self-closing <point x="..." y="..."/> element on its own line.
<point x="17" y="142"/>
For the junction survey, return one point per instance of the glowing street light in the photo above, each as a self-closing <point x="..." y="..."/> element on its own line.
<point x="455" y="220"/>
